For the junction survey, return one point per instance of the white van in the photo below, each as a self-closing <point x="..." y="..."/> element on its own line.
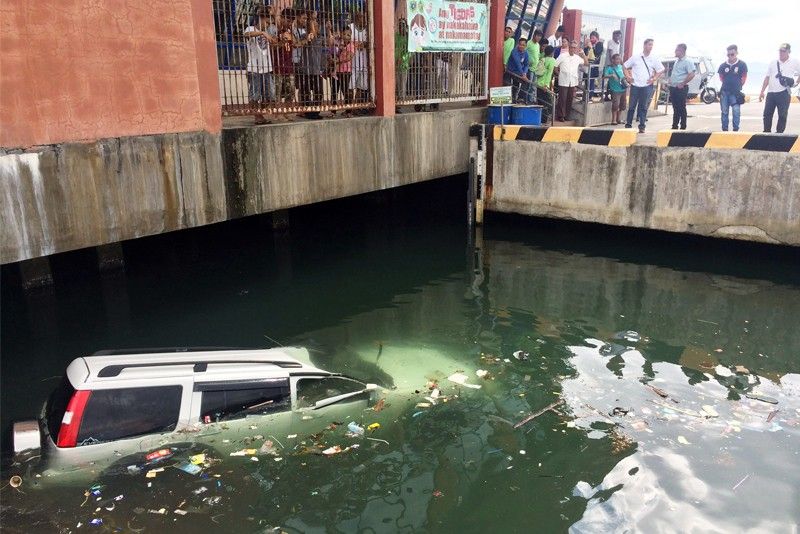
<point x="115" y="403"/>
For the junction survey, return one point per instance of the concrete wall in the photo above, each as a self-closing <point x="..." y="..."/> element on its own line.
<point x="84" y="70"/>
<point x="290" y="165"/>
<point x="75" y="195"/>
<point x="742" y="194"/>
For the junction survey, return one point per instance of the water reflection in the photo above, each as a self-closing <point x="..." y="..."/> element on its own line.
<point x="667" y="377"/>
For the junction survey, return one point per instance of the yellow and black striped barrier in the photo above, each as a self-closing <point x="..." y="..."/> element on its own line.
<point x="566" y="134"/>
<point x="740" y="140"/>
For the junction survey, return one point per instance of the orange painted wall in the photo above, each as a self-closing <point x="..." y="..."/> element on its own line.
<point x="73" y="70"/>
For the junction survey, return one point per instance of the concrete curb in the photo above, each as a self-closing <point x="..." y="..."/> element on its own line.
<point x="735" y="140"/>
<point x="566" y="134"/>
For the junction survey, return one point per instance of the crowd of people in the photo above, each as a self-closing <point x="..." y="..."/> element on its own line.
<point x="297" y="56"/>
<point x="549" y="71"/>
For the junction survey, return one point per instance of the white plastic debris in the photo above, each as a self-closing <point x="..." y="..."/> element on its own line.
<point x="723" y="371"/>
<point x="481" y="373"/>
<point x="461" y="379"/>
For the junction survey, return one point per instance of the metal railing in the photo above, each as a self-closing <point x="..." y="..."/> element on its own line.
<point x="435" y="77"/>
<point x="301" y="56"/>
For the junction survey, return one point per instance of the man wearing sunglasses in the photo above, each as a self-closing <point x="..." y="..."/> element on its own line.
<point x="733" y="74"/>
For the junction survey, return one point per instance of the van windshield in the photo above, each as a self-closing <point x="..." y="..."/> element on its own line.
<point x="57" y="405"/>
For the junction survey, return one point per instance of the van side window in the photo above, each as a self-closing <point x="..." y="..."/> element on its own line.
<point x="312" y="390"/>
<point x="123" y="413"/>
<point x="226" y="404"/>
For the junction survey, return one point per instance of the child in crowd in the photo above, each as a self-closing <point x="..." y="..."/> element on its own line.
<point x="615" y="76"/>
<point x="340" y="81"/>
<point x="260" y="82"/>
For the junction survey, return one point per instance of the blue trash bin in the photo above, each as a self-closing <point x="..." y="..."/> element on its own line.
<point x="526" y="115"/>
<point x="497" y="112"/>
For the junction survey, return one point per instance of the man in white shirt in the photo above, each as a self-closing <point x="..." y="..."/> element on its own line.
<point x="568" y="69"/>
<point x="779" y="93"/>
<point x="642" y="72"/>
<point x="555" y="39"/>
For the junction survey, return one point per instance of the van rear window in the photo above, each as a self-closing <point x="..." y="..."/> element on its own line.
<point x="57" y="405"/>
<point x="123" y="413"/>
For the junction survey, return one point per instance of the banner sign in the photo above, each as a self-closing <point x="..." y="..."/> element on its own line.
<point x="500" y="95"/>
<point x="441" y="26"/>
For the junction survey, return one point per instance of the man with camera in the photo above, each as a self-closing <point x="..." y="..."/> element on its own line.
<point x="782" y="75"/>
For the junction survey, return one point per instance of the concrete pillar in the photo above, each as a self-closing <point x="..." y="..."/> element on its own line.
<point x="497" y="24"/>
<point x="383" y="26"/>
<point x="573" y="20"/>
<point x="35" y="273"/>
<point x="553" y="18"/>
<point x="280" y="220"/>
<point x="627" y="46"/>
<point x="110" y="257"/>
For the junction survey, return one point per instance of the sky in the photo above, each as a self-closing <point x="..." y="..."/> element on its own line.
<point x="708" y="27"/>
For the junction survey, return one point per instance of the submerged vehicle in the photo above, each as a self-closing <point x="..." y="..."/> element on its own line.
<point x="115" y="403"/>
<point x="701" y="84"/>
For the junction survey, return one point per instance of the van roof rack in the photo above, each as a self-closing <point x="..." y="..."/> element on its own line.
<point x="110" y="371"/>
<point x="161" y="350"/>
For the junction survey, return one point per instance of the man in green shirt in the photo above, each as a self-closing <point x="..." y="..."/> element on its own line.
<point x="533" y="63"/>
<point x="508" y="45"/>
<point x="544" y="82"/>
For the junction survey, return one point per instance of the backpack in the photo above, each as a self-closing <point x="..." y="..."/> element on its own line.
<point x="539" y="70"/>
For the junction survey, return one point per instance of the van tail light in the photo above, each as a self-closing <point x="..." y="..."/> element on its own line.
<point x="68" y="433"/>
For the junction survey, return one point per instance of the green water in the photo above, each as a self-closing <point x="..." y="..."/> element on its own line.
<point x="610" y="321"/>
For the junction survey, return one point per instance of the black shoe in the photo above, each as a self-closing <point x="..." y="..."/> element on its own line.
<point x="674" y="126"/>
<point x="628" y="125"/>
<point x="641" y="130"/>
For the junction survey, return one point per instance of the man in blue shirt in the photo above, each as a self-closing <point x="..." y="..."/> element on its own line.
<point x="733" y="74"/>
<point x="517" y="71"/>
<point x="682" y="73"/>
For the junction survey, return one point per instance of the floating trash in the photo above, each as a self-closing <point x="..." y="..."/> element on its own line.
<point x="521" y="355"/>
<point x="723" y="371"/>
<point x="461" y="379"/>
<point x="629" y="335"/>
<point x="762" y="398"/>
<point x="354" y="429"/>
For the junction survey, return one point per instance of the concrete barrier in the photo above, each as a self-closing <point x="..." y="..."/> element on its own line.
<point x="565" y="134"/>
<point x="740" y="194"/>
<point x="739" y="140"/>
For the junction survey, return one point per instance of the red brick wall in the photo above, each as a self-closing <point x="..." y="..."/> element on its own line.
<point x="76" y="70"/>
